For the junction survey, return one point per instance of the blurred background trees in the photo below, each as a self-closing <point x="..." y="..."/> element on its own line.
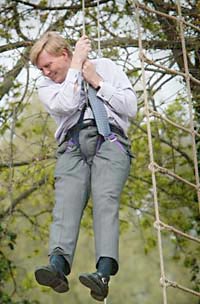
<point x="27" y="148"/>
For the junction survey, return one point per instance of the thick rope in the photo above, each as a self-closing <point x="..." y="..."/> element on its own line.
<point x="176" y="231"/>
<point x="98" y="29"/>
<point x="151" y="153"/>
<point x="99" y="51"/>
<point x="85" y="85"/>
<point x="169" y="283"/>
<point x="83" y="13"/>
<point x="188" y="130"/>
<point x="170" y="71"/>
<point x="144" y="7"/>
<point x="187" y="79"/>
<point x="153" y="166"/>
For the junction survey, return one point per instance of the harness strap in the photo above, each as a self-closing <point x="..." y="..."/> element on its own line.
<point x="71" y="134"/>
<point x="91" y="123"/>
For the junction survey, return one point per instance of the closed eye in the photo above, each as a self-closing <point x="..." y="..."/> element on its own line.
<point x="46" y="66"/>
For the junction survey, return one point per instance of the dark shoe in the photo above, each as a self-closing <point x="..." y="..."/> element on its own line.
<point x="49" y="276"/>
<point x="97" y="283"/>
<point x="97" y="296"/>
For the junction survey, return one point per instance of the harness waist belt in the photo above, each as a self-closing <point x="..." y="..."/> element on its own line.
<point x="91" y="123"/>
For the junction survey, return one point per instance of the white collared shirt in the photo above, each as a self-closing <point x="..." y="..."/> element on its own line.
<point x="64" y="103"/>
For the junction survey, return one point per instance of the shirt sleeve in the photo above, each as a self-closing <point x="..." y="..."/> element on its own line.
<point x="117" y="90"/>
<point x="61" y="98"/>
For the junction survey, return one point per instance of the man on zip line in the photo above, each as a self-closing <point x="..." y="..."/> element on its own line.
<point x="89" y="160"/>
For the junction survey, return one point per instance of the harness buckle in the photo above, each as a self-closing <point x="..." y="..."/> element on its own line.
<point x="112" y="137"/>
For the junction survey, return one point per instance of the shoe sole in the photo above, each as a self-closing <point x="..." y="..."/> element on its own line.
<point x="97" y="296"/>
<point x="96" y="291"/>
<point x="51" y="279"/>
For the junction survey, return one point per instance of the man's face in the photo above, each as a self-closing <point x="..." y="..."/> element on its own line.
<point x="54" y="67"/>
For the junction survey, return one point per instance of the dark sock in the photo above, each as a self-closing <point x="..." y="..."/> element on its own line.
<point x="60" y="263"/>
<point x="105" y="266"/>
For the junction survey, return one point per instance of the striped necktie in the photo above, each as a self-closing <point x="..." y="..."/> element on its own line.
<point x="99" y="112"/>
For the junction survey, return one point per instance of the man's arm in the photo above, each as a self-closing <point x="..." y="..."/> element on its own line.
<point x="114" y="86"/>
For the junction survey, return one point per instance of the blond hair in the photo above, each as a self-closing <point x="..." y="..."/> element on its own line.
<point x="51" y="42"/>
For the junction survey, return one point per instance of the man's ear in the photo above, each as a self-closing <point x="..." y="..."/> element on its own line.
<point x="65" y="54"/>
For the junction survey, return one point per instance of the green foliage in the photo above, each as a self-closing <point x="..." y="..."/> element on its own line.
<point x="28" y="153"/>
<point x="153" y="27"/>
<point x="43" y="3"/>
<point x="6" y="299"/>
<point x="193" y="264"/>
<point x="7" y="240"/>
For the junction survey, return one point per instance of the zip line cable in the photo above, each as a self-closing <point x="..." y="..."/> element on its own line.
<point x="98" y="29"/>
<point x="85" y="84"/>
<point x="99" y="50"/>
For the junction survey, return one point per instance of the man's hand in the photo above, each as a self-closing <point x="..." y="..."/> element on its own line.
<point x="82" y="49"/>
<point x="90" y="75"/>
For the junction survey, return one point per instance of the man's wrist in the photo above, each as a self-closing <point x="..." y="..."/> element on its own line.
<point x="76" y="64"/>
<point x="100" y="85"/>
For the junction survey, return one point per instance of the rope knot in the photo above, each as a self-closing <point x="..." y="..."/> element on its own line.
<point x="157" y="225"/>
<point x="164" y="282"/>
<point x="153" y="167"/>
<point x="141" y="55"/>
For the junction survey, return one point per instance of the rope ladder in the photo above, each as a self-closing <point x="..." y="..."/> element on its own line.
<point x="155" y="168"/>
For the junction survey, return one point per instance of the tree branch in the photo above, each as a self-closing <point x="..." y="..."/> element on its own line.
<point x="88" y="3"/>
<point x="11" y="75"/>
<point x="125" y="42"/>
<point x="182" y="153"/>
<point x="25" y="163"/>
<point x="23" y="196"/>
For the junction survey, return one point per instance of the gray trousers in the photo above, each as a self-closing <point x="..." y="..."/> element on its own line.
<point x="82" y="171"/>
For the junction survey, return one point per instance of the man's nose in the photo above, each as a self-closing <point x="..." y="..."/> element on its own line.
<point x="46" y="72"/>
